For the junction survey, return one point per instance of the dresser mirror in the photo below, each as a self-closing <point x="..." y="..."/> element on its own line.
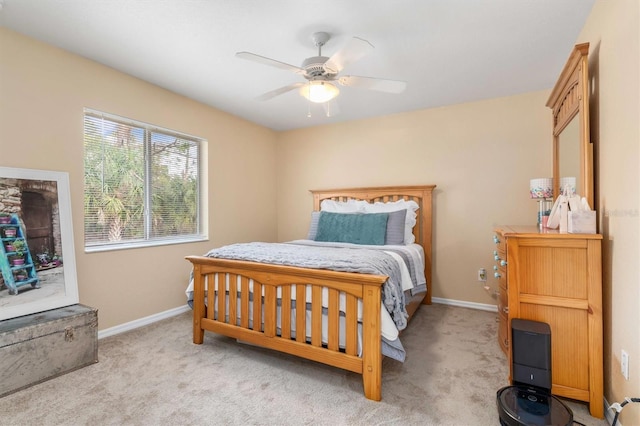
<point x="569" y="153"/>
<point x="572" y="150"/>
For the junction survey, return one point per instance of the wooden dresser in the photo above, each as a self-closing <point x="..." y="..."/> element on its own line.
<point x="557" y="279"/>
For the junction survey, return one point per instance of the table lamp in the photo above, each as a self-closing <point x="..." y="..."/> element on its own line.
<point x="541" y="189"/>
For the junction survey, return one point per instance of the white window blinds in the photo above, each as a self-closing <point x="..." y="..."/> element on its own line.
<point x="141" y="182"/>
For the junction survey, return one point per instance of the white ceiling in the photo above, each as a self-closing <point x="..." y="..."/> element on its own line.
<point x="448" y="51"/>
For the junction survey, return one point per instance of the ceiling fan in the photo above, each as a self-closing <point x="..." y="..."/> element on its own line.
<point x="322" y="73"/>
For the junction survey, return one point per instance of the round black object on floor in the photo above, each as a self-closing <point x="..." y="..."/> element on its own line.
<point x="522" y="405"/>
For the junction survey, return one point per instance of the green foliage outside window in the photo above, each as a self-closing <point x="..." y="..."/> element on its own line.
<point x="141" y="183"/>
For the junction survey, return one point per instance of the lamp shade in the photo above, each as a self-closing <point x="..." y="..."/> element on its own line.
<point x="541" y="188"/>
<point x="319" y="91"/>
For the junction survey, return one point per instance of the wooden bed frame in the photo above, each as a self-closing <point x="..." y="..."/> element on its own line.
<point x="268" y="278"/>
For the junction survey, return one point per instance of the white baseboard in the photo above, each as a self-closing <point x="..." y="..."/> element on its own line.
<point x="464" y="304"/>
<point x="142" y="322"/>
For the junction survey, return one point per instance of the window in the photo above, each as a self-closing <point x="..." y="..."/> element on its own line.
<point x="141" y="183"/>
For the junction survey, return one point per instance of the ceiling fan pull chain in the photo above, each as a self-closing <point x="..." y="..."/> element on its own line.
<point x="309" y="102"/>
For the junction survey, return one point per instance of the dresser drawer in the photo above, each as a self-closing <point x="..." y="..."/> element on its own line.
<point x="503" y="319"/>
<point x="500" y="241"/>
<point x="500" y="274"/>
<point x="503" y="333"/>
<point x="503" y="301"/>
<point x="500" y="258"/>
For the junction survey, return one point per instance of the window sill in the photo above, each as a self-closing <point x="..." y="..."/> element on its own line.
<point x="143" y="244"/>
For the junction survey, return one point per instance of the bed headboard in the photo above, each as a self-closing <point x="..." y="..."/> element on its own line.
<point x="421" y="194"/>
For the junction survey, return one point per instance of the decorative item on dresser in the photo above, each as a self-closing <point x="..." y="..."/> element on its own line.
<point x="556" y="278"/>
<point x="541" y="189"/>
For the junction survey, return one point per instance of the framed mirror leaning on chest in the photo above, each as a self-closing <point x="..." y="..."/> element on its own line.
<point x="572" y="148"/>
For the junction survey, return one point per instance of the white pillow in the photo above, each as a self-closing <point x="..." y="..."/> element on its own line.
<point x="410" y="220"/>
<point x="349" y="206"/>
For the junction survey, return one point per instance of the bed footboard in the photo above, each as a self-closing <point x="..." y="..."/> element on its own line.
<point x="258" y="303"/>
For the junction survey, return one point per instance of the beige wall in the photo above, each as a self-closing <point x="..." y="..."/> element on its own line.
<point x="613" y="32"/>
<point x="43" y="91"/>
<point x="481" y="155"/>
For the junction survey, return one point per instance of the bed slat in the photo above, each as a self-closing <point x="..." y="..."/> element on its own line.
<point x="351" y="325"/>
<point x="233" y="301"/>
<point x="211" y="296"/>
<point x="257" y="306"/>
<point x="301" y="315"/>
<point x="222" y="297"/>
<point x="333" y="314"/>
<point x="285" y="312"/>
<point x="316" y="315"/>
<point x="244" y="302"/>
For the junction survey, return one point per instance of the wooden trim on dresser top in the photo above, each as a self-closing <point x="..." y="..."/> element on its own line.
<point x="534" y="231"/>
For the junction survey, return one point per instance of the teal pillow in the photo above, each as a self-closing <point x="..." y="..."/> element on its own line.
<point x="395" y="227"/>
<point x="356" y="228"/>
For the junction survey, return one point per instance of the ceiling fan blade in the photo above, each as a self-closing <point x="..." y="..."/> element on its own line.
<point x="381" y="85"/>
<point x="278" y="92"/>
<point x="268" y="61"/>
<point x="331" y="108"/>
<point x="355" y="49"/>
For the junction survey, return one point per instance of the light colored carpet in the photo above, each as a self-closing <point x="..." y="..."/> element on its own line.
<point x="155" y="376"/>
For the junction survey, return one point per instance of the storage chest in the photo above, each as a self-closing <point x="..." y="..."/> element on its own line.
<point x="41" y="346"/>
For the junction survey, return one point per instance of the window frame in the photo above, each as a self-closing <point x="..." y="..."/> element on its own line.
<point x="147" y="240"/>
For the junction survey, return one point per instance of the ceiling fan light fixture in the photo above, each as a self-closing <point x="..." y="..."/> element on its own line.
<point x="319" y="91"/>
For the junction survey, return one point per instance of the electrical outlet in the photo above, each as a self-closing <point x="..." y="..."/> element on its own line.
<point x="482" y="274"/>
<point x="624" y="364"/>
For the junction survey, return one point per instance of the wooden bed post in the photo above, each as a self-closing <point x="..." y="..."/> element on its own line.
<point x="426" y="239"/>
<point x="198" y="304"/>
<point x="371" y="346"/>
